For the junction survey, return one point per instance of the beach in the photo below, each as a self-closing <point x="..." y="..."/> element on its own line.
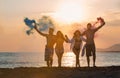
<point x="63" y="72"/>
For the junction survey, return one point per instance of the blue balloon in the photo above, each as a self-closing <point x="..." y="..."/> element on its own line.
<point x="29" y="23"/>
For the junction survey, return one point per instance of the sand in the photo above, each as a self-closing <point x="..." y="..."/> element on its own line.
<point x="63" y="72"/>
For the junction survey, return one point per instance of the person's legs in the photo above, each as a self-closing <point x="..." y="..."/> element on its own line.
<point x="77" y="60"/>
<point x="76" y="56"/>
<point x="78" y="63"/>
<point x="88" y="54"/>
<point x="59" y="60"/>
<point x="48" y="65"/>
<point x="51" y="56"/>
<point x="51" y="62"/>
<point x="88" y="61"/>
<point x="58" y="56"/>
<point x="47" y="57"/>
<point x="94" y="60"/>
<point x="94" y="55"/>
<point x="61" y="57"/>
<point x="59" y="53"/>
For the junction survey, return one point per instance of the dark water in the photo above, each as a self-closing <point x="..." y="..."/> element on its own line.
<point x="11" y="60"/>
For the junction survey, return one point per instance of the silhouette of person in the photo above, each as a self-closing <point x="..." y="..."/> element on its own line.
<point x="49" y="50"/>
<point x="76" y="45"/>
<point x="59" y="49"/>
<point x="90" y="45"/>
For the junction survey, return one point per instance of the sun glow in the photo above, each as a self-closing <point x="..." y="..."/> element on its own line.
<point x="70" y="12"/>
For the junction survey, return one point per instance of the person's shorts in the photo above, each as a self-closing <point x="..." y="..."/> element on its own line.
<point x="49" y="54"/>
<point x="90" y="50"/>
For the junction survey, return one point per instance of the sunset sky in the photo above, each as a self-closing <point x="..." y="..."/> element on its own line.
<point x="12" y="28"/>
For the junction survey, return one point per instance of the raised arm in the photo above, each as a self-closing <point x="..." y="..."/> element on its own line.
<point x="83" y="33"/>
<point x="102" y="24"/>
<point x="69" y="40"/>
<point x="82" y="38"/>
<point x="39" y="31"/>
<point x="66" y="38"/>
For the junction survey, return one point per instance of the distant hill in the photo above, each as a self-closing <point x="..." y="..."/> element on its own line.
<point x="113" y="48"/>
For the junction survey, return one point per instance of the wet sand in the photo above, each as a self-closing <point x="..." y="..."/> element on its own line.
<point x="63" y="72"/>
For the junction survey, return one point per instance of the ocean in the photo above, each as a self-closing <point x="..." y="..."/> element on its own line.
<point x="28" y="59"/>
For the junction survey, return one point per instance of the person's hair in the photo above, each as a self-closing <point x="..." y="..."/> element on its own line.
<point x="77" y="31"/>
<point x="88" y="24"/>
<point x="51" y="29"/>
<point x="61" y="34"/>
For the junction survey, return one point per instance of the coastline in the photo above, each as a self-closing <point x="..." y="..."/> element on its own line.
<point x="63" y="72"/>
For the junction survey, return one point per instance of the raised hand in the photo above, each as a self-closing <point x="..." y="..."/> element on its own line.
<point x="100" y="19"/>
<point x="66" y="36"/>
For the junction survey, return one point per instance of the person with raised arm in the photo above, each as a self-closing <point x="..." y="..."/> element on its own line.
<point x="49" y="48"/>
<point x="90" y="44"/>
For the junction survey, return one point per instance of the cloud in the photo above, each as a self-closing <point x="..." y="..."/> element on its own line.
<point x="112" y="18"/>
<point x="117" y="13"/>
<point x="115" y="22"/>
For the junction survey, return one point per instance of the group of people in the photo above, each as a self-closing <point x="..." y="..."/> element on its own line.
<point x="76" y="43"/>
